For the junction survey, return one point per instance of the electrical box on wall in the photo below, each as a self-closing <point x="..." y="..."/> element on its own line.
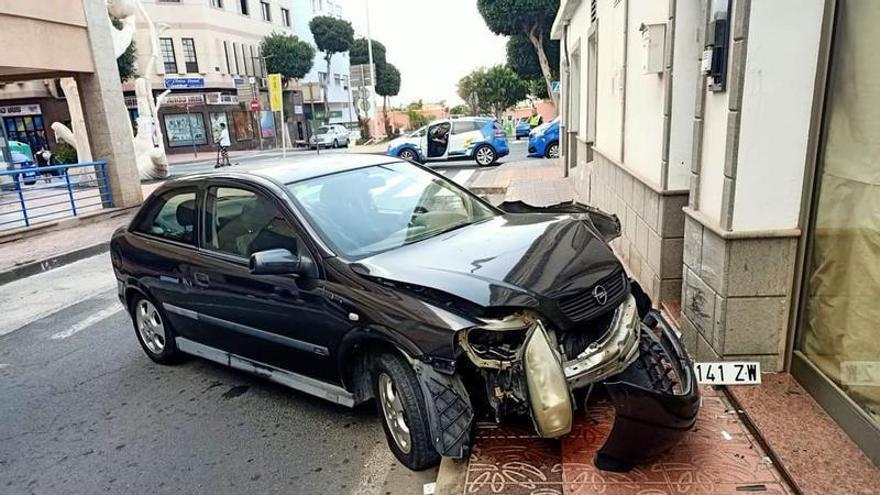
<point x="653" y="48"/>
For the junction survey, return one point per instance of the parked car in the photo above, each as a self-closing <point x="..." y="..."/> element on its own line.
<point x="330" y="136"/>
<point x="522" y="128"/>
<point x="361" y="277"/>
<point x="544" y="140"/>
<point x="480" y="138"/>
<point x="22" y="157"/>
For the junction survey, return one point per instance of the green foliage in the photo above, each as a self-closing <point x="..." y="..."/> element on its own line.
<point x="510" y="17"/>
<point x="387" y="80"/>
<point x="492" y="90"/>
<point x="459" y="110"/>
<point x="127" y="62"/>
<point x="332" y="35"/>
<point x="416" y="105"/>
<point x="522" y="58"/>
<point x="65" y="153"/>
<point x="287" y="55"/>
<point x="359" y="55"/>
<point x="416" y="118"/>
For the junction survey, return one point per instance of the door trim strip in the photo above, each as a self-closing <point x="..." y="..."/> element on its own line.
<point x="289" y="379"/>
<point x="248" y="330"/>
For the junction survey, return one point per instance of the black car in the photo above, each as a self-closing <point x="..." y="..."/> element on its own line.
<point x="359" y="277"/>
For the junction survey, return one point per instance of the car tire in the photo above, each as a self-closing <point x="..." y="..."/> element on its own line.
<point x="335" y="144"/>
<point x="399" y="398"/>
<point x="485" y="155"/>
<point x="552" y="150"/>
<point x="408" y="155"/>
<point x="153" y="331"/>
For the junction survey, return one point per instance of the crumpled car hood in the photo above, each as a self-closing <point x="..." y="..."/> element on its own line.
<point x="510" y="260"/>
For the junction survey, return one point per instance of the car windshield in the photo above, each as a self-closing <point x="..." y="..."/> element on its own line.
<point x="373" y="209"/>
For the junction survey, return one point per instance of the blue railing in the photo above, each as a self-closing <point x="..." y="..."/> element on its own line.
<point x="33" y="195"/>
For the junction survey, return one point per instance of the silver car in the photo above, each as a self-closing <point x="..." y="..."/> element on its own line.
<point x="330" y="136"/>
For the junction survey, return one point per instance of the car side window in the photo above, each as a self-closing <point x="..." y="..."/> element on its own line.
<point x="241" y="222"/>
<point x="462" y="126"/>
<point x="171" y="216"/>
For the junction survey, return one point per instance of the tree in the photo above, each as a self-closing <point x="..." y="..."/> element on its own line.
<point x="287" y="55"/>
<point x="387" y="84"/>
<point x="416" y="118"/>
<point x="521" y="57"/>
<point x="359" y="54"/>
<point x="459" y="110"/>
<point x="332" y="36"/>
<point x="127" y="62"/>
<point x="492" y="90"/>
<point x="532" y="18"/>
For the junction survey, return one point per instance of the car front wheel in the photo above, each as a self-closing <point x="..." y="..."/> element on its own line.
<point x="153" y="331"/>
<point x="553" y="150"/>
<point x="408" y="155"/>
<point x="403" y="411"/>
<point x="485" y="155"/>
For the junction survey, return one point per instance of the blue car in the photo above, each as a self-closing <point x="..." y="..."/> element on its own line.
<point x="522" y="128"/>
<point x="544" y="140"/>
<point x="480" y="138"/>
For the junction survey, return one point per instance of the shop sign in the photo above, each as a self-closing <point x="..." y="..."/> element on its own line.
<point x="297" y="109"/>
<point x="275" y="92"/>
<point x="184" y="83"/>
<point x="220" y="99"/>
<point x="27" y="109"/>
<point x="190" y="99"/>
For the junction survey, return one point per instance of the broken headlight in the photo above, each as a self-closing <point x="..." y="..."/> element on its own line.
<point x="497" y="342"/>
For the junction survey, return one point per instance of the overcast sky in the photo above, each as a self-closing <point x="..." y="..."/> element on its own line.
<point x="432" y="42"/>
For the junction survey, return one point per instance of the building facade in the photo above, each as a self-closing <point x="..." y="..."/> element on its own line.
<point x="339" y="95"/>
<point x="737" y="141"/>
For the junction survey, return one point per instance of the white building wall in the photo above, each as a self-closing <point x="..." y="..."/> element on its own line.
<point x="685" y="72"/>
<point x="577" y="40"/>
<point x="610" y="77"/>
<point x="781" y="64"/>
<point x="712" y="156"/>
<point x="645" y="94"/>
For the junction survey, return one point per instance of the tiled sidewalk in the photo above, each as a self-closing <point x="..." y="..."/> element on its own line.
<point x="718" y="456"/>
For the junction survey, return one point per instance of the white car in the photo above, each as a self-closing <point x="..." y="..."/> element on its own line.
<point x="330" y="136"/>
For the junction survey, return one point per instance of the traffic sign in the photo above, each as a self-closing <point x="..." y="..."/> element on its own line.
<point x="255" y="106"/>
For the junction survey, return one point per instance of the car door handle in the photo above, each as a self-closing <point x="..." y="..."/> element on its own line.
<point x="201" y="279"/>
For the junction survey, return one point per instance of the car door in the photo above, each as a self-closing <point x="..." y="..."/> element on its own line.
<point x="160" y="252"/>
<point x="271" y="319"/>
<point x="437" y="140"/>
<point x="464" y="133"/>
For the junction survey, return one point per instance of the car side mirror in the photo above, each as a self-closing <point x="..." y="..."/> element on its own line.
<point x="280" y="262"/>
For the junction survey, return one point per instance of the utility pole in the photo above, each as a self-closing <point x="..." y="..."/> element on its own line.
<point x="372" y="67"/>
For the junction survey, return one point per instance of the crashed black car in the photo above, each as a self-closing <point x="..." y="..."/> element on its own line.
<point x="364" y="277"/>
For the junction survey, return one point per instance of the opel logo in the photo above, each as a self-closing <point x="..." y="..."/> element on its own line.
<point x="600" y="295"/>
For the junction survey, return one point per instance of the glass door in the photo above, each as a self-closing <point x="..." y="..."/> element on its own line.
<point x="838" y="342"/>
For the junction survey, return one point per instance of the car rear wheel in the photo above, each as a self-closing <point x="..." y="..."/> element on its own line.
<point x="485" y="155"/>
<point x="403" y="411"/>
<point x="153" y="331"/>
<point x="552" y="150"/>
<point x="408" y="155"/>
<point x="335" y="143"/>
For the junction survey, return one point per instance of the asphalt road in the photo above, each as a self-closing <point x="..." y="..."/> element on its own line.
<point x="84" y="411"/>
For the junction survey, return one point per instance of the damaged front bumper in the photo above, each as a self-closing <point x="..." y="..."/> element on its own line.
<point x="641" y="362"/>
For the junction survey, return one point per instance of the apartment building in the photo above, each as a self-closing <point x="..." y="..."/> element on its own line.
<point x="737" y="141"/>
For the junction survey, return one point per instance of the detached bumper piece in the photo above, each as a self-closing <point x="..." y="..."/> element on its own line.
<point x="656" y="399"/>
<point x="450" y="415"/>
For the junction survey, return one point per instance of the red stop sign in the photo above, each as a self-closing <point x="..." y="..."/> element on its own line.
<point x="255" y="106"/>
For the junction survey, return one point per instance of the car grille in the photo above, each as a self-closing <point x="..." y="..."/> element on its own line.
<point x="584" y="305"/>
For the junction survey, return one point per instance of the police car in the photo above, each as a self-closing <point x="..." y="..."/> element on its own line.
<point x="480" y="138"/>
<point x="544" y="140"/>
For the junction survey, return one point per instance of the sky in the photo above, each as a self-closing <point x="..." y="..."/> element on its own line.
<point x="433" y="43"/>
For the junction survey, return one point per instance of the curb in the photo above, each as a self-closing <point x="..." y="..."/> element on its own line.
<point x="59" y="260"/>
<point x="451" y="477"/>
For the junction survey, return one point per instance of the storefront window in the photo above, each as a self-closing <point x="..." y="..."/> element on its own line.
<point x="243" y="126"/>
<point x="839" y="331"/>
<point x="183" y="131"/>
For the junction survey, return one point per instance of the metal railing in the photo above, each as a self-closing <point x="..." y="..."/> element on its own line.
<point x="40" y="194"/>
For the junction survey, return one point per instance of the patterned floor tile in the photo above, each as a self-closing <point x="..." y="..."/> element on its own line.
<point x="512" y="460"/>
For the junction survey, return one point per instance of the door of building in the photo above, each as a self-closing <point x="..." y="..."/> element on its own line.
<point x="837" y="350"/>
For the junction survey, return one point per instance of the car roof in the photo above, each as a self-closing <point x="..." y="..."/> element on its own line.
<point x="315" y="166"/>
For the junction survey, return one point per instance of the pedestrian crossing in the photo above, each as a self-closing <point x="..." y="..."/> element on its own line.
<point x="461" y="176"/>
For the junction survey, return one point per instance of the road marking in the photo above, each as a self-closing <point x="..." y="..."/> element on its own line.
<point x="3" y="365"/>
<point x="91" y="320"/>
<point x="461" y="176"/>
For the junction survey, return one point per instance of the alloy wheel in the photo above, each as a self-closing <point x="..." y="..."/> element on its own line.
<point x="392" y="410"/>
<point x="150" y="326"/>
<point x="553" y="152"/>
<point x="408" y="155"/>
<point x="485" y="155"/>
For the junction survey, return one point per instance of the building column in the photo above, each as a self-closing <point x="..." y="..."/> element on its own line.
<point x="106" y="117"/>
